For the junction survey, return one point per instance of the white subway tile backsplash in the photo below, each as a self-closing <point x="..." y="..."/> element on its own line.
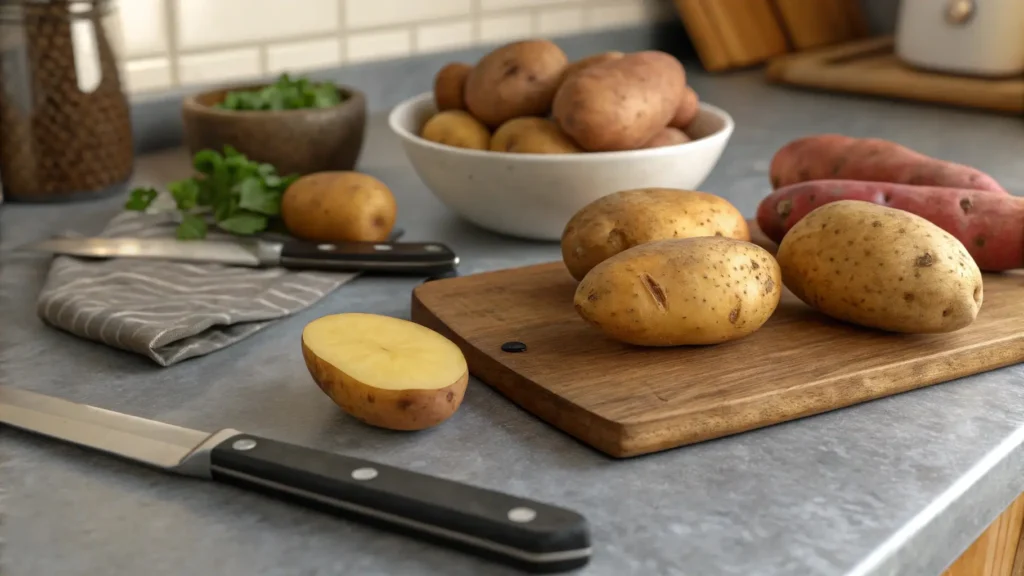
<point x="446" y="36"/>
<point x="205" y="23"/>
<point x="370" y="13"/>
<point x="143" y="27"/>
<point x="218" y="67"/>
<point x="309" y="55"/>
<point x="505" y="27"/>
<point x="147" y="75"/>
<point x="555" y="21"/>
<point x="616" y="14"/>
<point x="505" y="4"/>
<point x="378" y="45"/>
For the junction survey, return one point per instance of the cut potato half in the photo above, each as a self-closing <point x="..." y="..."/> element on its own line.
<point x="386" y="371"/>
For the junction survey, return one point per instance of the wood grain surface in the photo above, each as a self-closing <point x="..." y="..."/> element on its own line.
<point x="870" y="67"/>
<point x="626" y="400"/>
<point x="994" y="553"/>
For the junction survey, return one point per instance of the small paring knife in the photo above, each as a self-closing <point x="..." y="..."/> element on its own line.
<point x="529" y="535"/>
<point x="429" y="258"/>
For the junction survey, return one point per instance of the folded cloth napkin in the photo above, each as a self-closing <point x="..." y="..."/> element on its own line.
<point x="171" y="311"/>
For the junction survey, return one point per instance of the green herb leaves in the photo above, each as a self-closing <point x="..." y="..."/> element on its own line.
<point x="242" y="195"/>
<point x="284" y="94"/>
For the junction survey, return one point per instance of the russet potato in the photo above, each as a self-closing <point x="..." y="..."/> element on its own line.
<point x="881" y="268"/>
<point x="517" y="79"/>
<point x="338" y="207"/>
<point x="385" y="371"/>
<point x="690" y="291"/>
<point x="625" y="219"/>
<point x="450" y="86"/>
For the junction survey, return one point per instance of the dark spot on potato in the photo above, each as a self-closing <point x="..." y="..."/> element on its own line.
<point x="531" y="78"/>
<point x="617" y="239"/>
<point x="404" y="404"/>
<point x="775" y="182"/>
<point x="887" y="198"/>
<point x="656" y="291"/>
<point x="947" y="312"/>
<point x="769" y="286"/>
<point x="449" y="396"/>
<point x="370" y="398"/>
<point x="754" y="265"/>
<point x="966" y="205"/>
<point x="512" y="70"/>
<point x="902" y="230"/>
<point x="979" y="241"/>
<point x="908" y="297"/>
<point x="876" y="224"/>
<point x="924" y="260"/>
<point x="718" y="233"/>
<point x="734" y="315"/>
<point x="592" y="297"/>
<point x="783" y="208"/>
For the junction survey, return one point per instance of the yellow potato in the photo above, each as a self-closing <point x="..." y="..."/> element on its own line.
<point x="385" y="371"/>
<point x="667" y="137"/>
<point x="622" y="103"/>
<point x="450" y="86"/>
<point x="689" y="291"/>
<point x="882" y="268"/>
<point x="339" y="207"/>
<point x="517" y="79"/>
<point x="625" y="219"/>
<point x="457" y="128"/>
<point x="532" y="135"/>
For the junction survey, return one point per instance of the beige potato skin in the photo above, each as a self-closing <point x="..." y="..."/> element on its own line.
<point x="532" y="135"/>
<point x="582" y="63"/>
<point x="691" y="291"/>
<point x="688" y="108"/>
<point x="625" y="219"/>
<point x="620" y="104"/>
<point x="668" y="136"/>
<point x="339" y="207"/>
<point x="392" y="409"/>
<point x="518" y="79"/>
<point x="881" y="268"/>
<point x="457" y="128"/>
<point x="450" y="86"/>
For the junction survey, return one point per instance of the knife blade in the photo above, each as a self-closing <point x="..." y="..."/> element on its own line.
<point x="526" y="534"/>
<point x="429" y="258"/>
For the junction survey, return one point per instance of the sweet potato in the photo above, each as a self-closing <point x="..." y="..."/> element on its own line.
<point x="838" y="157"/>
<point x="990" y="226"/>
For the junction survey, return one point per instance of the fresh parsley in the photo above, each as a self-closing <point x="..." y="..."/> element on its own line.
<point x="284" y="94"/>
<point x="243" y="196"/>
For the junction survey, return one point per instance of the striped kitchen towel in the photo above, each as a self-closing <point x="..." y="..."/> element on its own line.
<point x="171" y="311"/>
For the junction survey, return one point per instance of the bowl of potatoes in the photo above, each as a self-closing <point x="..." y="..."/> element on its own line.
<point x="523" y="139"/>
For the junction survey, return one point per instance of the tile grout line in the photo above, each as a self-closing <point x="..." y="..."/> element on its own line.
<point x="171" y="30"/>
<point x="342" y="32"/>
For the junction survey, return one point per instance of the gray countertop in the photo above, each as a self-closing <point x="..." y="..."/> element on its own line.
<point x="896" y="486"/>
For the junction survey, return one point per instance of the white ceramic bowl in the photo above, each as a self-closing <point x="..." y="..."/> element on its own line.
<point x="534" y="195"/>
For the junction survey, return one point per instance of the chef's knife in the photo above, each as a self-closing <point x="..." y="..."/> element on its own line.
<point x="530" y="535"/>
<point x="430" y="258"/>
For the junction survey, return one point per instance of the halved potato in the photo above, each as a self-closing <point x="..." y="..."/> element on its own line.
<point x="385" y="371"/>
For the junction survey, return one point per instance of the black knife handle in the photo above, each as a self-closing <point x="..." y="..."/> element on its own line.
<point x="420" y="258"/>
<point x="528" y="535"/>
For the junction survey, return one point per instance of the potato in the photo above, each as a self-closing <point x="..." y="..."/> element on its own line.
<point x="532" y="135"/>
<point x="518" y="79"/>
<point x="457" y="128"/>
<point x="450" y="86"/>
<point x="882" y="268"/>
<point x="688" y="108"/>
<point x="339" y="207"/>
<point x="590" y="61"/>
<point x="620" y="104"/>
<point x="625" y="219"/>
<point x="668" y="136"/>
<point x="685" y="291"/>
<point x="385" y="371"/>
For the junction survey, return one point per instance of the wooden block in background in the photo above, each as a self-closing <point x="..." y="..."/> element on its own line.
<point x="732" y="33"/>
<point x="816" y="23"/>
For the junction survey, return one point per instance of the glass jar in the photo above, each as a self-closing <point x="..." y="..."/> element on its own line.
<point x="65" y="122"/>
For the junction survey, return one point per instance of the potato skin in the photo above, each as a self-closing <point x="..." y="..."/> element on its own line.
<point x="688" y="108"/>
<point x="689" y="291"/>
<point x="339" y="207"/>
<point x="517" y="79"/>
<point x="450" y="86"/>
<point x="619" y="221"/>
<point x="393" y="409"/>
<point x="667" y="136"/>
<point x="881" y="268"/>
<point x="532" y="135"/>
<point x="620" y="104"/>
<point x="457" y="128"/>
<point x="582" y="63"/>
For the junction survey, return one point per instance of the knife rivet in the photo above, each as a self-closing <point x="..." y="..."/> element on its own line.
<point x="244" y="444"/>
<point x="381" y="247"/>
<point x="325" y="247"/>
<point x="364" y="473"/>
<point x="432" y="248"/>
<point x="522" y="514"/>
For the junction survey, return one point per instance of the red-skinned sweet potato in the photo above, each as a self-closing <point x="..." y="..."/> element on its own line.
<point x="838" y="157"/>
<point x="990" y="226"/>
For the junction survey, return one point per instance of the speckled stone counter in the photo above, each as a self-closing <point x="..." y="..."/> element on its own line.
<point x="897" y="486"/>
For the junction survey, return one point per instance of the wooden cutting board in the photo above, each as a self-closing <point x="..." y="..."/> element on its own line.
<point x="870" y="67"/>
<point x="627" y="401"/>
